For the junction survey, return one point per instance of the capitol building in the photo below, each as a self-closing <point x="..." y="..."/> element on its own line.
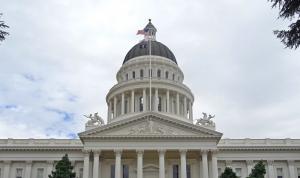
<point x="150" y="132"/>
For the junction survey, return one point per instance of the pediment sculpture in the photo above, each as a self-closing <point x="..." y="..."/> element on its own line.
<point x="151" y="128"/>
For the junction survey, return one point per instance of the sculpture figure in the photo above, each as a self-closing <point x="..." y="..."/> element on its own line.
<point x="94" y="120"/>
<point x="206" y="121"/>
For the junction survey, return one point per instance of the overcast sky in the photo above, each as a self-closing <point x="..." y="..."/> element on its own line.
<point x="62" y="56"/>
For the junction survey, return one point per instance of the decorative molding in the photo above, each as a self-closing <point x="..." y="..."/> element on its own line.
<point x="151" y="128"/>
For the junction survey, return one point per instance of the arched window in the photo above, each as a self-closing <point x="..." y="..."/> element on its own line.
<point x="141" y="103"/>
<point x="126" y="76"/>
<point x="133" y="74"/>
<point x="173" y="77"/>
<point x="167" y="75"/>
<point x="159" y="104"/>
<point x="141" y="73"/>
<point x="158" y="73"/>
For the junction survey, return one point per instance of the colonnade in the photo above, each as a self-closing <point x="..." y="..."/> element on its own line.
<point x="161" y="163"/>
<point x="138" y="100"/>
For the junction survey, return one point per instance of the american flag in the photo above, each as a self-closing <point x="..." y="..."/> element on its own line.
<point x="142" y="32"/>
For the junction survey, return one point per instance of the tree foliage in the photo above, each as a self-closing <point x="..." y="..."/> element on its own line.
<point x="2" y="32"/>
<point x="289" y="9"/>
<point x="258" y="171"/>
<point x="63" y="169"/>
<point x="228" y="173"/>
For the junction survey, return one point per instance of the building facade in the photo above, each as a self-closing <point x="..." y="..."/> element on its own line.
<point x="150" y="132"/>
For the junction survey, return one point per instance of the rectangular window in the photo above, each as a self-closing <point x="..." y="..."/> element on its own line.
<point x="40" y="173"/>
<point x="298" y="172"/>
<point x="219" y="172"/>
<point x="238" y="172"/>
<point x="188" y="171"/>
<point x="175" y="171"/>
<point x="279" y="173"/>
<point x="81" y="173"/>
<point x="19" y="173"/>
<point x="112" y="171"/>
<point x="125" y="171"/>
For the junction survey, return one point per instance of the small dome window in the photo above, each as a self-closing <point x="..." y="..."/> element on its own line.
<point x="173" y="77"/>
<point x="167" y="75"/>
<point x="126" y="77"/>
<point x="158" y="73"/>
<point x="133" y="74"/>
<point x="141" y="73"/>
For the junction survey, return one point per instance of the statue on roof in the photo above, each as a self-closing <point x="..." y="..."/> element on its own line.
<point x="206" y="120"/>
<point x="94" y="120"/>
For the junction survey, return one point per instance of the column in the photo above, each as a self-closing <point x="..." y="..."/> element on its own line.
<point x="28" y="169"/>
<point x="183" y="163"/>
<point x="204" y="164"/>
<point x="249" y="166"/>
<point x="144" y="100"/>
<point x="161" y="163"/>
<point x="118" y="154"/>
<point x="109" y="110"/>
<point x="140" y="163"/>
<point x="184" y="107"/>
<point x="156" y="100"/>
<point x="96" y="164"/>
<point x="86" y="166"/>
<point x="190" y="110"/>
<point x="122" y="103"/>
<point x="214" y="161"/>
<point x="168" y="101"/>
<point x="49" y="167"/>
<point x="291" y="164"/>
<point x="177" y="103"/>
<point x="270" y="168"/>
<point x="115" y="107"/>
<point x="132" y="101"/>
<point x="6" y="169"/>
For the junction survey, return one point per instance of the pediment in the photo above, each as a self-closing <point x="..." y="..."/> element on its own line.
<point x="150" y="125"/>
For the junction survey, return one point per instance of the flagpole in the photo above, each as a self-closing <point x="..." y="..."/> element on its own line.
<point x="150" y="73"/>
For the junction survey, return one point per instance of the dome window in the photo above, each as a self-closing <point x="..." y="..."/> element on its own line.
<point x="158" y="73"/>
<point x="141" y="73"/>
<point x="173" y="77"/>
<point x="126" y="77"/>
<point x="133" y="74"/>
<point x="141" y="103"/>
<point x="167" y="75"/>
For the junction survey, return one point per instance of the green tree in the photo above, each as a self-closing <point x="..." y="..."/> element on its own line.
<point x="63" y="169"/>
<point x="289" y="9"/>
<point x="258" y="171"/>
<point x="2" y="26"/>
<point x="228" y="173"/>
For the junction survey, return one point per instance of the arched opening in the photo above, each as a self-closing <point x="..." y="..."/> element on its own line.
<point x="133" y="74"/>
<point x="167" y="75"/>
<point x="126" y="77"/>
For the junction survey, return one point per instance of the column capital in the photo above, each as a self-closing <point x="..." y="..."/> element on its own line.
<point x="140" y="151"/>
<point x="118" y="151"/>
<point x="214" y="151"/>
<point x="28" y="162"/>
<point x="182" y="151"/>
<point x="7" y="162"/>
<point x="270" y="162"/>
<point x="86" y="151"/>
<point x="291" y="162"/>
<point x="203" y="151"/>
<point x="161" y="151"/>
<point x="98" y="152"/>
<point x="249" y="162"/>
